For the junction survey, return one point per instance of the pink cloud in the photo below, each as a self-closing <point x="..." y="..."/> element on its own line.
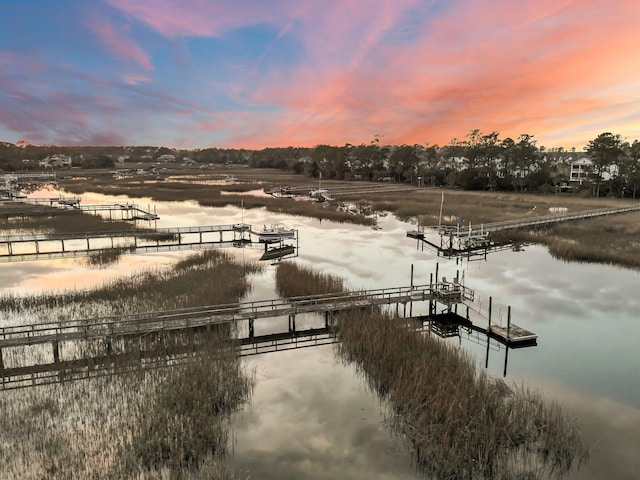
<point x="475" y="68"/>
<point x="413" y="70"/>
<point x="204" y="18"/>
<point x="118" y="41"/>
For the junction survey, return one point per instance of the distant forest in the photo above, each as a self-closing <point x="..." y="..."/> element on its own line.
<point x="478" y="161"/>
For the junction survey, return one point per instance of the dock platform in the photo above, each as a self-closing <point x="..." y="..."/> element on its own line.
<point x="513" y="335"/>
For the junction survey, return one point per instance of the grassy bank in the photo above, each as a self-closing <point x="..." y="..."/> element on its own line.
<point x="612" y="240"/>
<point x="164" y="423"/>
<point x="39" y="219"/>
<point x="212" y="196"/>
<point x="459" y="423"/>
<point x="592" y="241"/>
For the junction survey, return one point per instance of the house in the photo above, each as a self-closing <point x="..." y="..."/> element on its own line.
<point x="580" y="170"/>
<point x="56" y="160"/>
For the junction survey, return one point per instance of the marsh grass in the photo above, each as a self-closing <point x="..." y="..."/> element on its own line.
<point x="206" y="278"/>
<point x="103" y="258"/>
<point x="293" y="280"/>
<point x="211" y="196"/>
<point x="65" y="221"/>
<point x="163" y="423"/>
<point x="459" y="423"/>
<point x="593" y="243"/>
<point x="613" y="240"/>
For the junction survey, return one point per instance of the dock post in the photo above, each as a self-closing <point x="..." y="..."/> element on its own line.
<point x="411" y="302"/>
<point x="506" y="358"/>
<point x="251" y="330"/>
<point x="430" y="294"/>
<point x="486" y="361"/>
<point x="56" y="352"/>
<point x="326" y="319"/>
<point x="508" y="324"/>
<point x="292" y="322"/>
<point x="1" y="362"/>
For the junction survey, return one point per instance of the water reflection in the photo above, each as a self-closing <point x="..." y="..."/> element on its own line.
<point x="310" y="417"/>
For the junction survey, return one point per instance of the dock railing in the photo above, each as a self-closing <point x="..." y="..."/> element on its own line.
<point x="134" y="324"/>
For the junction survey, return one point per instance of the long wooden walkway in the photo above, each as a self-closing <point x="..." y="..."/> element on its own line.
<point x="131" y="325"/>
<point x="161" y="355"/>
<point x="454" y="241"/>
<point x="25" y="346"/>
<point x="59" y="245"/>
<point x="121" y="211"/>
<point x="541" y="220"/>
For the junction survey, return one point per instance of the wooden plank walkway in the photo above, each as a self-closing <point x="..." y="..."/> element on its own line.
<point x="52" y="336"/>
<point x="160" y="356"/>
<point x="131" y="325"/>
<point x="475" y="240"/>
<point x="40" y="245"/>
<point x="484" y="228"/>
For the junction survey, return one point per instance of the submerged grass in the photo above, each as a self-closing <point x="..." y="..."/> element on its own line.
<point x="460" y="423"/>
<point x="166" y="423"/>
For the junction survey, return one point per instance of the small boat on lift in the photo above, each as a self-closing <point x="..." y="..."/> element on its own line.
<point x="320" y="194"/>
<point x="275" y="233"/>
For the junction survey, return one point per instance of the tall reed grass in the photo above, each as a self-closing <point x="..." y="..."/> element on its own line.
<point x="459" y="422"/>
<point x="146" y="424"/>
<point x="608" y="240"/>
<point x="66" y="221"/>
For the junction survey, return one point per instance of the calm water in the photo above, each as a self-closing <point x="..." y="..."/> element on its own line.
<point x="313" y="417"/>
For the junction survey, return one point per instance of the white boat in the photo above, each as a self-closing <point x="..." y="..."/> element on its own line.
<point x="320" y="194"/>
<point x="275" y="233"/>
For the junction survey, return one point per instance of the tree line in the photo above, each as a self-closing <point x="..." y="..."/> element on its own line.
<point x="478" y="161"/>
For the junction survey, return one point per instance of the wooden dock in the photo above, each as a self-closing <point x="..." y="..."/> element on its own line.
<point x="161" y="355"/>
<point x="127" y="211"/>
<point x="452" y="241"/>
<point x="51" y="338"/>
<point x="64" y="245"/>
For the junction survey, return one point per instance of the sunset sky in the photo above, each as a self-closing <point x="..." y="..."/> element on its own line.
<point x="270" y="73"/>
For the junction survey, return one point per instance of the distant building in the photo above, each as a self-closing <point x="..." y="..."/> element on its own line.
<point x="56" y="160"/>
<point x="580" y="170"/>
